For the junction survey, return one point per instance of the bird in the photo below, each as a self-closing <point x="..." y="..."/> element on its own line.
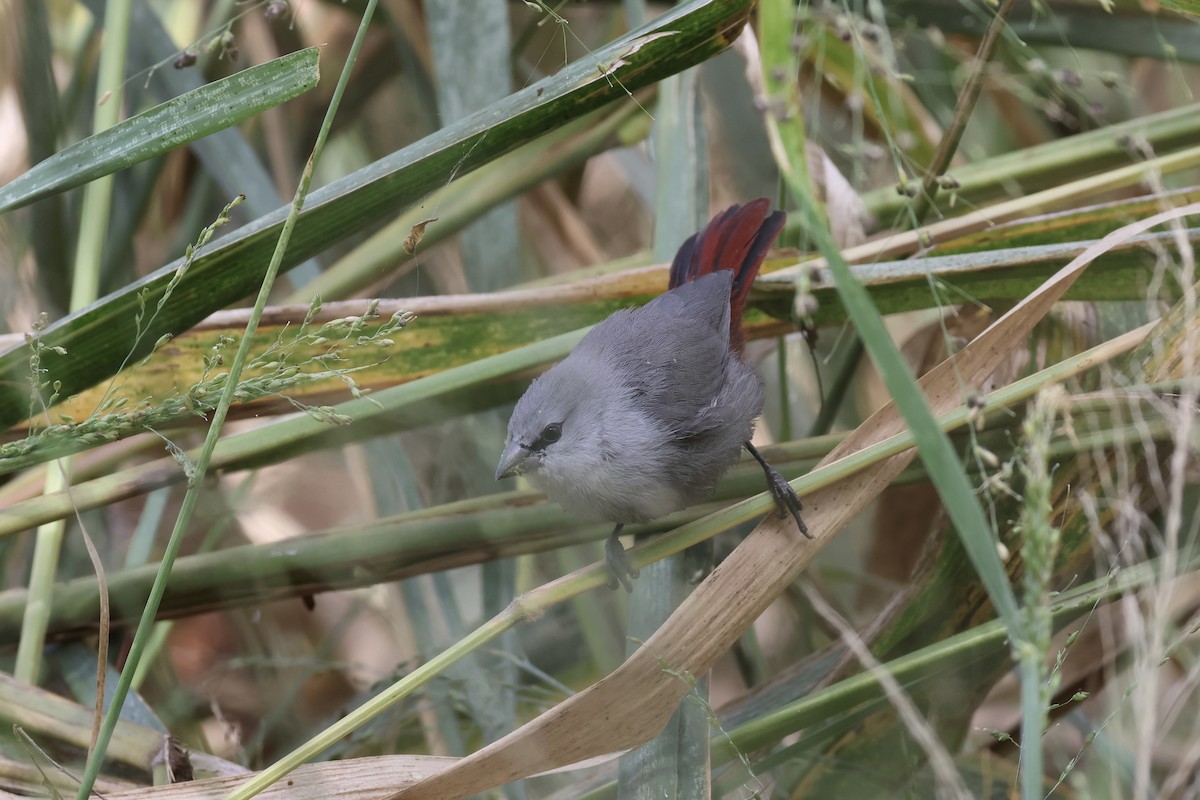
<point x="655" y="404"/>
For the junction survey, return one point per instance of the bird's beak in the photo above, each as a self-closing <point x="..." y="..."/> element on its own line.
<point x="512" y="461"/>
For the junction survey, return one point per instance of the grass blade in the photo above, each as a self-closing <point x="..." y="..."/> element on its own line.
<point x="159" y="130"/>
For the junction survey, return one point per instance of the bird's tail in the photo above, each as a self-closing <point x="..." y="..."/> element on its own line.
<point x="736" y="239"/>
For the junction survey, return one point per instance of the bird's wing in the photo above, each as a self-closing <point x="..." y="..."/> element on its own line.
<point x="671" y="353"/>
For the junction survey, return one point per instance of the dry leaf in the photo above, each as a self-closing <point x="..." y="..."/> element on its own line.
<point x="416" y="235"/>
<point x="351" y="779"/>
<point x="848" y="215"/>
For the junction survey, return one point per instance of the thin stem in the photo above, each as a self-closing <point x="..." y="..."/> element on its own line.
<point x="832" y="402"/>
<point x="962" y="113"/>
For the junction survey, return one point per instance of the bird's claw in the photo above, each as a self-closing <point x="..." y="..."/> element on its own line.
<point x="620" y="571"/>
<point x="786" y="499"/>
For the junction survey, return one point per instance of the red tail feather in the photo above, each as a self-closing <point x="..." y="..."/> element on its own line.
<point x="736" y="239"/>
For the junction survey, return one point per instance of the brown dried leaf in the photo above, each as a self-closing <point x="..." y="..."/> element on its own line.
<point x="351" y="779"/>
<point x="416" y="235"/>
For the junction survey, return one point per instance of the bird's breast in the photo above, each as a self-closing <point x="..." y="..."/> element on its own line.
<point x="612" y="492"/>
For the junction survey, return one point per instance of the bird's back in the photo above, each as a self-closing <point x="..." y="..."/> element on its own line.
<point x="671" y="353"/>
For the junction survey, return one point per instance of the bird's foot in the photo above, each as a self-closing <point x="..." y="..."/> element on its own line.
<point x="786" y="499"/>
<point x="620" y="571"/>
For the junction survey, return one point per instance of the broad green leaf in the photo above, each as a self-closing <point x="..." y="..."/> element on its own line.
<point x="159" y="130"/>
<point x="1188" y="7"/>
<point x="466" y="198"/>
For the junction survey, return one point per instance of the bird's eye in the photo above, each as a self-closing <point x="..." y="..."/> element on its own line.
<point x="551" y="433"/>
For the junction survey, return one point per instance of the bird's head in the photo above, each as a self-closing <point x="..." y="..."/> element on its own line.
<point x="547" y="424"/>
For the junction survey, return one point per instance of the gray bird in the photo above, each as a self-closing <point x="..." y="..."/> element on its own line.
<point x="653" y="406"/>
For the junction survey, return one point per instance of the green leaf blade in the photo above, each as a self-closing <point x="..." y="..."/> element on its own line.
<point x="184" y="119"/>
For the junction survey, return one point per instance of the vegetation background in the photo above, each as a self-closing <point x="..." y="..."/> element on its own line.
<point x="498" y="176"/>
